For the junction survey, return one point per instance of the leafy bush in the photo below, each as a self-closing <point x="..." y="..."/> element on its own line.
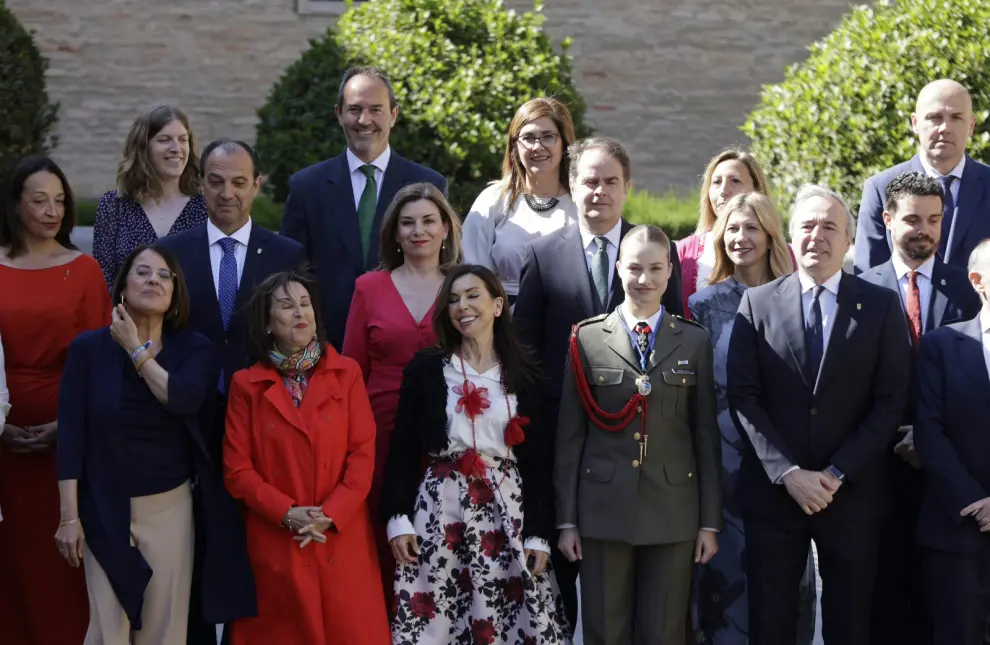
<point x="26" y="116"/>
<point x="461" y="68"/>
<point x="677" y="216"/>
<point x="844" y="114"/>
<point x="264" y="212"/>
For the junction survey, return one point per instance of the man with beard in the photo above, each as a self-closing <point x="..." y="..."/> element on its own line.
<point x="336" y="207"/>
<point x="943" y="120"/>
<point x="932" y="294"/>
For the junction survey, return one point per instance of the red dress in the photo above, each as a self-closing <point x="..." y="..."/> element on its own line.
<point x="382" y="337"/>
<point x="42" y="599"/>
<point x="320" y="454"/>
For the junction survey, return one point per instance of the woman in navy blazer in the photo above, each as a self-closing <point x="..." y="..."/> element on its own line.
<point x="132" y="465"/>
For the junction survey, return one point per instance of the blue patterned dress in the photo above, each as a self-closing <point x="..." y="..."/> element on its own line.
<point x="720" y="608"/>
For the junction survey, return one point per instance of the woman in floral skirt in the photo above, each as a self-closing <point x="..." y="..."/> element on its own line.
<point x="471" y="535"/>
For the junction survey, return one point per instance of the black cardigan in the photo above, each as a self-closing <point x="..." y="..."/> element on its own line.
<point x="421" y="427"/>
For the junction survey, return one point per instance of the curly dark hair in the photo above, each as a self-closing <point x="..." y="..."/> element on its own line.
<point x="913" y="184"/>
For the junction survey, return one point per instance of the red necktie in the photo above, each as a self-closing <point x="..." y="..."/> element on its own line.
<point x="914" y="307"/>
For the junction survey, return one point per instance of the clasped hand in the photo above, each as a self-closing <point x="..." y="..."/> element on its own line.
<point x="812" y="490"/>
<point x="309" y="523"/>
<point x="29" y="439"/>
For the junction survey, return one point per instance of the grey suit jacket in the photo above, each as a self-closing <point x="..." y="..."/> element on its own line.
<point x="676" y="489"/>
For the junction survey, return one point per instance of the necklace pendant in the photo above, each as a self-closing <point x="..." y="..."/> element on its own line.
<point x="643" y="384"/>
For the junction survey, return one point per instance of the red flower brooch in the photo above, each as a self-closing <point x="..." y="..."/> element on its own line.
<point x="474" y="400"/>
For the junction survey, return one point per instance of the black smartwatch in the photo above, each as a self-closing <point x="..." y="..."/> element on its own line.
<point x="835" y="472"/>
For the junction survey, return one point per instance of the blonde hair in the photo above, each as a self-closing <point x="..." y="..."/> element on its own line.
<point x="137" y="178"/>
<point x="513" y="182"/>
<point x="450" y="253"/>
<point x="707" y="215"/>
<point x="779" y="260"/>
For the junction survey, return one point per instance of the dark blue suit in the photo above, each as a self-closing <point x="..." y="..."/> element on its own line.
<point x="951" y="436"/>
<point x="970" y="224"/>
<point x="90" y="450"/>
<point x="900" y="610"/>
<point x="267" y="253"/>
<point x="320" y="213"/>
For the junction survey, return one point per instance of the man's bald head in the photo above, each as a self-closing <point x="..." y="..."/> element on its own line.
<point x="943" y="120"/>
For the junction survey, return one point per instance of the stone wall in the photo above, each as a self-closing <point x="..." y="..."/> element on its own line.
<point x="673" y="79"/>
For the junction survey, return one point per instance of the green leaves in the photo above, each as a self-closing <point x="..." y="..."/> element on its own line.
<point x="844" y="114"/>
<point x="26" y="116"/>
<point x="461" y="68"/>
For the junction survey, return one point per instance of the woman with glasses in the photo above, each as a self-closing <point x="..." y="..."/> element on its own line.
<point x="532" y="198"/>
<point x="129" y="449"/>
<point x="49" y="294"/>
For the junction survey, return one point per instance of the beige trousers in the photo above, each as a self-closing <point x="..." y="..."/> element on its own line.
<point x="162" y="529"/>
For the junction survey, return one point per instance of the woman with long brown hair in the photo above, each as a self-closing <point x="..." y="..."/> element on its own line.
<point x="391" y="315"/>
<point x="471" y="535"/>
<point x="159" y="189"/>
<point x="532" y="198"/>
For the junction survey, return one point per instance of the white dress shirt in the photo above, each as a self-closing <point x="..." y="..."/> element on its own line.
<point x="924" y="284"/>
<point x="625" y="313"/>
<point x="956" y="172"/>
<point x="612" y="248"/>
<point x="214" y="235"/>
<point x="358" y="178"/>
<point x="826" y="301"/>
<point x="489" y="430"/>
<point x="4" y="399"/>
<point x="985" y="326"/>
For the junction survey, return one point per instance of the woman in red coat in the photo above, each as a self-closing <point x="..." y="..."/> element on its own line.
<point x="299" y="451"/>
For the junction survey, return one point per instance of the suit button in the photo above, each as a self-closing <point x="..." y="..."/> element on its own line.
<point x="637" y="436"/>
<point x="601" y="379"/>
<point x="635" y="463"/>
<point x="683" y="381"/>
<point x="814" y="411"/>
<point x="588" y="471"/>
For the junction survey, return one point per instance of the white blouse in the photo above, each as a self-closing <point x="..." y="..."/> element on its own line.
<point x="489" y="430"/>
<point x="706" y="261"/>
<point x="497" y="236"/>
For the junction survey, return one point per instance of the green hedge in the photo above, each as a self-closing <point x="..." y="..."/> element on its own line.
<point x="27" y="118"/>
<point x="844" y="114"/>
<point x="461" y="68"/>
<point x="265" y="212"/>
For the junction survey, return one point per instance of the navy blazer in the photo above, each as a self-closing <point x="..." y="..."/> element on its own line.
<point x="321" y="215"/>
<point x="970" y="224"/>
<point x="90" y="451"/>
<point x="556" y="292"/>
<point x="952" y="400"/>
<point x="846" y="416"/>
<point x="267" y="253"/>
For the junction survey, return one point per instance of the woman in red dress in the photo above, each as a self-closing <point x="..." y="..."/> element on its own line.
<point x="49" y="294"/>
<point x="299" y="452"/>
<point x="391" y="317"/>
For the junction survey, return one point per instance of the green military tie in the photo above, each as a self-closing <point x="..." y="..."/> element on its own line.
<point x="599" y="272"/>
<point x="367" y="207"/>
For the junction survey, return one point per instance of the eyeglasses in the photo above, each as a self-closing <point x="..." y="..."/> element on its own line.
<point x="547" y="139"/>
<point x="144" y="272"/>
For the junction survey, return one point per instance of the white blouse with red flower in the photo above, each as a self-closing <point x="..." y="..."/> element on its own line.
<point x="482" y="394"/>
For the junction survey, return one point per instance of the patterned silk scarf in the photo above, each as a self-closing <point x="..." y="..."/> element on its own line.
<point x="295" y="369"/>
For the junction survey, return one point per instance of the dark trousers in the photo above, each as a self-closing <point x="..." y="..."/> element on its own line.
<point x="776" y="558"/>
<point x="566" y="574"/>
<point x="958" y="586"/>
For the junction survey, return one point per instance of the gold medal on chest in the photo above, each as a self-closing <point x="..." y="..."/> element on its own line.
<point x="643" y="384"/>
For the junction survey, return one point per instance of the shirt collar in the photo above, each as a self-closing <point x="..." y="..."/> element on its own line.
<point x="242" y="235"/>
<point x="831" y="285"/>
<point x="956" y="172"/>
<point x="902" y="269"/>
<point x="626" y="314"/>
<point x="613" y="236"/>
<point x="381" y="163"/>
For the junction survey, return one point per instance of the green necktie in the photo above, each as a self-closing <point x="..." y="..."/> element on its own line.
<point x="367" y="207"/>
<point x="599" y="271"/>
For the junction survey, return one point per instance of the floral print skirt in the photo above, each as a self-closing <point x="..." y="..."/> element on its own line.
<point x="471" y="585"/>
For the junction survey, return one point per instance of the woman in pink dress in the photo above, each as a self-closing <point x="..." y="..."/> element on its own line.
<point x="391" y="316"/>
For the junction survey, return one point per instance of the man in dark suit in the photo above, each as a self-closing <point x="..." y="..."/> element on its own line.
<point x="223" y="260"/>
<point x="568" y="276"/>
<point x="336" y="207"/>
<point x="818" y="372"/>
<point x="932" y="294"/>
<point x="944" y="121"/>
<point x="950" y="430"/>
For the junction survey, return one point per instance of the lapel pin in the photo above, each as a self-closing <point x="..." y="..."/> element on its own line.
<point x="671" y="324"/>
<point x="943" y="282"/>
<point x="259" y="251"/>
<point x="858" y="306"/>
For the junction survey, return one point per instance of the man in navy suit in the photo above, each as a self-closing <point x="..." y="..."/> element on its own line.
<point x="223" y="260"/>
<point x="818" y="375"/>
<point x="950" y="432"/>
<point x="569" y="276"/>
<point x="944" y="121"/>
<point x="336" y="207"/>
<point x="932" y="294"/>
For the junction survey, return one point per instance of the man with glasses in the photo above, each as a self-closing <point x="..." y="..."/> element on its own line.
<point x="223" y="260"/>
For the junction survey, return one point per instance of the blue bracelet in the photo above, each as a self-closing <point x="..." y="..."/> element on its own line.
<point x="137" y="352"/>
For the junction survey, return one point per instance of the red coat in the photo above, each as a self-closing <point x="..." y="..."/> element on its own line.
<point x="322" y="454"/>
